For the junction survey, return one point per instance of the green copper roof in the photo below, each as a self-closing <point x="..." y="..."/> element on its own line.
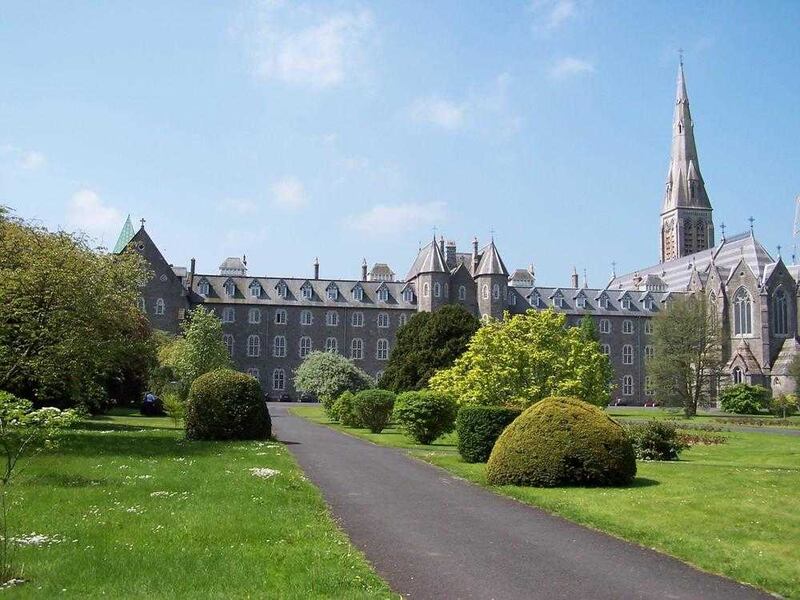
<point x="125" y="236"/>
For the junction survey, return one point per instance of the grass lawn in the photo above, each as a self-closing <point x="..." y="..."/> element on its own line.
<point x="730" y="508"/>
<point x="702" y="417"/>
<point x="135" y="511"/>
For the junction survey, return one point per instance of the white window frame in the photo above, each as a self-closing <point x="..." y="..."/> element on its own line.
<point x="254" y="316"/>
<point x="437" y="290"/>
<point x="402" y="320"/>
<point x="228" y="314"/>
<point x="627" y="327"/>
<point x="160" y="307"/>
<point x="627" y="385"/>
<point x="357" y="319"/>
<point x="605" y="349"/>
<point x="230" y="289"/>
<point x="306" y="318"/>
<point x="283" y="290"/>
<point x="203" y="288"/>
<point x="307" y="292"/>
<point x="279" y="380"/>
<point x="462" y="292"/>
<point x="648" y="327"/>
<point x="626" y="303"/>
<point x="580" y="302"/>
<point x="331" y="344"/>
<point x="279" y="346"/>
<point x="253" y="346"/>
<point x="383" y="320"/>
<point x="255" y="290"/>
<point x="485" y="291"/>
<point x="605" y="326"/>
<point x="383" y="294"/>
<point x="332" y="318"/>
<point x="332" y="293"/>
<point x="358" y="293"/>
<point x="627" y="354"/>
<point x="382" y="349"/>
<point x="305" y="346"/>
<point x="357" y="349"/>
<point x="649" y="351"/>
<point x="280" y="316"/>
<point x="408" y="295"/>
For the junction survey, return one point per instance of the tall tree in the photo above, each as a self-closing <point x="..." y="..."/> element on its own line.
<point x="328" y="375"/>
<point x="427" y="343"/>
<point x="201" y="350"/>
<point x="688" y="357"/>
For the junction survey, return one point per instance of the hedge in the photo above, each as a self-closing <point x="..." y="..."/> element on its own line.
<point x="479" y="427"/>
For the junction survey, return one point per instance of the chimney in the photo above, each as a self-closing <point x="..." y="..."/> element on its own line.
<point x="191" y="274"/>
<point x="574" y="278"/>
<point x="474" y="255"/>
<point x="316" y="268"/>
<point x="364" y="270"/>
<point x="441" y="244"/>
<point x="450" y="254"/>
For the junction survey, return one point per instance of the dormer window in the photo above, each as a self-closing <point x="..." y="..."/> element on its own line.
<point x="255" y="290"/>
<point x="581" y="302"/>
<point x="383" y="294"/>
<point x="307" y="291"/>
<point x="282" y="289"/>
<point x="203" y="288"/>
<point x="649" y="304"/>
<point x="626" y="303"/>
<point x="230" y="289"/>
<point x="558" y="302"/>
<point x="535" y="299"/>
<point x="332" y="292"/>
<point x="604" y="302"/>
<point x="408" y="295"/>
<point x="358" y="293"/>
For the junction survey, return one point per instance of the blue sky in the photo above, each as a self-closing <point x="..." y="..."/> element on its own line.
<point x="351" y="129"/>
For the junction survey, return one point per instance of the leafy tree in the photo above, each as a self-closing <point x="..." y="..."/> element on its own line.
<point x="688" y="357"/>
<point x="525" y="358"/>
<point x="744" y="399"/>
<point x="588" y="328"/>
<point x="427" y="343"/>
<point x="69" y="322"/>
<point x="200" y="350"/>
<point x="328" y="375"/>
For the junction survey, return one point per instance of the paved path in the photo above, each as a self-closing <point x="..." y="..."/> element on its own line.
<point x="433" y="536"/>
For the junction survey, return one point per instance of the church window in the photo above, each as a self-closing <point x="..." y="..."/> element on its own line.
<point x="780" y="312"/>
<point x="357" y="319"/>
<point x="159" y="306"/>
<point x="306" y="318"/>
<point x="383" y="320"/>
<point x="280" y="317"/>
<point x="383" y="294"/>
<point x="254" y="316"/>
<point x="627" y="326"/>
<point x="496" y="291"/>
<point x="737" y="375"/>
<point x="627" y="354"/>
<point x="332" y="318"/>
<point x="230" y="289"/>
<point x="649" y="351"/>
<point x="437" y="289"/>
<point x="627" y="385"/>
<point x="357" y="349"/>
<point x="278" y="380"/>
<point x="305" y="346"/>
<point x="253" y="346"/>
<point x="605" y="326"/>
<point x="331" y="344"/>
<point x="605" y="349"/>
<point x="228" y="315"/>
<point x="203" y="288"/>
<point x="227" y="339"/>
<point x="279" y="346"/>
<point x="382" y="351"/>
<point x="462" y="292"/>
<point x="308" y="292"/>
<point x="742" y="313"/>
<point x="426" y="290"/>
<point x="485" y="291"/>
<point x="358" y="293"/>
<point x="255" y="290"/>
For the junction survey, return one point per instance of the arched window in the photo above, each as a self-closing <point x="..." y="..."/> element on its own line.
<point x="605" y="349"/>
<point x="780" y="312"/>
<point x="253" y="372"/>
<point x="462" y="292"/>
<point x="331" y="344"/>
<point x="280" y="317"/>
<point x="605" y="326"/>
<point x="278" y="380"/>
<point x="627" y="385"/>
<point x="332" y="318"/>
<point x="255" y="289"/>
<point x="426" y="290"/>
<point x="254" y="316"/>
<point x="402" y="320"/>
<point x="279" y="346"/>
<point x="230" y="288"/>
<point x="357" y="349"/>
<point x="160" y="306"/>
<point x="228" y="315"/>
<point x="496" y="291"/>
<point x="383" y="320"/>
<point x="227" y="339"/>
<point x="627" y="354"/>
<point x="382" y="351"/>
<point x="742" y="313"/>
<point x="737" y="375"/>
<point x="305" y="346"/>
<point x="306" y="318"/>
<point x="307" y="291"/>
<point x="437" y="289"/>
<point x="253" y="346"/>
<point x="649" y="351"/>
<point x="357" y="320"/>
<point x="408" y="295"/>
<point x="485" y="291"/>
<point x="627" y="326"/>
<point x="203" y="288"/>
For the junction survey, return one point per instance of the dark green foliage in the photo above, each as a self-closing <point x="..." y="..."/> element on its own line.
<point x="562" y="441"/>
<point x="479" y="427"/>
<point x="373" y="409"/>
<point x="224" y="405"/>
<point x="654" y="440"/>
<point x="424" y="415"/>
<point x="743" y="399"/>
<point x="344" y="410"/>
<point x="427" y="343"/>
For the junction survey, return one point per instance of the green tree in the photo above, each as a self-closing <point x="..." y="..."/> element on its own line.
<point x="588" y="328"/>
<point x="328" y="375"/>
<point x="525" y="358"/>
<point x="200" y="350"/>
<point x="427" y="343"/>
<point x="688" y="357"/>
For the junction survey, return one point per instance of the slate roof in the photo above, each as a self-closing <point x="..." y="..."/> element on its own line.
<point x="490" y="263"/>
<point x="429" y="260"/>
<point x="789" y="349"/>
<point x="592" y="295"/>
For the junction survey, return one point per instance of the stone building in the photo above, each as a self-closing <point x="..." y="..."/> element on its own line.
<point x="271" y="323"/>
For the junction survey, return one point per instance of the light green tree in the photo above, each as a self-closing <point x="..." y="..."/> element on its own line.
<point x="525" y="358"/>
<point x="328" y="375"/>
<point x="200" y="350"/>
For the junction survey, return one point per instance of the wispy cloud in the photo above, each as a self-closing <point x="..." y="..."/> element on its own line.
<point x="288" y="193"/>
<point x="550" y="15"/>
<point x="27" y="160"/>
<point x="89" y="213"/>
<point x="388" y="220"/>
<point x="438" y="111"/>
<point x="569" y="66"/>
<point x="300" y="45"/>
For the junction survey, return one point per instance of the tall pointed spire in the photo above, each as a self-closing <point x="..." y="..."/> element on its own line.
<point x="125" y="236"/>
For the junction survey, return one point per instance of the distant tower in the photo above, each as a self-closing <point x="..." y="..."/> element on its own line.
<point x="433" y="278"/>
<point x="491" y="279"/>
<point x="686" y="223"/>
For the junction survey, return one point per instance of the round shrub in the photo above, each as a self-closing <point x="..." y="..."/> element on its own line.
<point x="225" y="405"/>
<point x="562" y="441"/>
<point x="424" y="416"/>
<point x="373" y="408"/>
<point x="654" y="440"/>
<point x="344" y="409"/>
<point x="743" y="399"/>
<point x="479" y="427"/>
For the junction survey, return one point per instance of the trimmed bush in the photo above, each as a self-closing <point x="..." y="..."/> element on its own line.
<point x="654" y="440"/>
<point x="344" y="409"/>
<point x="424" y="416"/>
<point x="562" y="441"/>
<point x="479" y="427"/>
<point x="226" y="405"/>
<point x="743" y="399"/>
<point x="373" y="409"/>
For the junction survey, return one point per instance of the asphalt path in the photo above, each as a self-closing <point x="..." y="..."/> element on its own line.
<point x="431" y="535"/>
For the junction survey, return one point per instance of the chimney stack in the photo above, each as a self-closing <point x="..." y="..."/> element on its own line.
<point x="474" y="254"/>
<point x="364" y="270"/>
<point x="316" y="268"/>
<point x="574" y="278"/>
<point x="441" y="244"/>
<point x="450" y="254"/>
<point x="191" y="274"/>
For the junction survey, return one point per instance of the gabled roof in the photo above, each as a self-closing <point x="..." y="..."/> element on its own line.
<point x="789" y="349"/>
<point x="491" y="263"/>
<point x="744" y="356"/>
<point x="429" y="260"/>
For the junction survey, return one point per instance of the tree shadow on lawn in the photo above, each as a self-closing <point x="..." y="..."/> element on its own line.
<point x="641" y="482"/>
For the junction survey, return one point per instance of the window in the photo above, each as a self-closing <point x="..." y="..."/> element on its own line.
<point x="253" y="346"/>
<point x="627" y="385"/>
<point x="254" y="316"/>
<point x="408" y="295"/>
<point x="383" y="320"/>
<point x="227" y="339"/>
<point x="279" y="346"/>
<point x="307" y="292"/>
<point x="535" y="299"/>
<point x="357" y="349"/>
<point x="648" y="386"/>
<point x="203" y="288"/>
<point x="358" y="293"/>
<point x="737" y="375"/>
<point x="581" y="302"/>
<point x="426" y="290"/>
<point x="649" y="304"/>
<point x="402" y="320"/>
<point x="159" y="306"/>
<point x="332" y="293"/>
<point x="626" y="303"/>
<point x="255" y="290"/>
<point x="253" y="372"/>
<point x="742" y="319"/>
<point x="383" y="294"/>
<point x="228" y="314"/>
<point x="627" y="354"/>
<point x="305" y="346"/>
<point x="648" y="327"/>
<point x="780" y="319"/>
<point x="382" y="351"/>
<point x="278" y="380"/>
<point x="280" y="317"/>
<point x="649" y="351"/>
<point x="605" y="326"/>
<point x="332" y="318"/>
<point x="331" y="344"/>
<point x="605" y="349"/>
<point x="496" y="292"/>
<point x="446" y="291"/>
<point x="558" y="302"/>
<point x="485" y="291"/>
<point x="604" y="302"/>
<point x="512" y="299"/>
<point x="230" y="289"/>
<point x="283" y="291"/>
<point x="437" y="290"/>
<point x="306" y="318"/>
<point x="357" y="320"/>
<point x="627" y="326"/>
<point x="462" y="292"/>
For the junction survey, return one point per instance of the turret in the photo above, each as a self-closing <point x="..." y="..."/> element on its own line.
<point x="432" y="278"/>
<point x="491" y="279"/>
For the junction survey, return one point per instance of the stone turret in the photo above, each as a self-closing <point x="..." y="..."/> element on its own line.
<point x="432" y="277"/>
<point x="491" y="279"/>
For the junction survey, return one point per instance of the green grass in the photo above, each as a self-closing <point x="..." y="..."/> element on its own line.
<point x="730" y="509"/>
<point x="702" y="417"/>
<point x="142" y="513"/>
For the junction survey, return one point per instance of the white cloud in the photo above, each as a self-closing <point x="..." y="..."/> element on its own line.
<point x="384" y="220"/>
<point x="299" y="45"/>
<point x="551" y="14"/>
<point x="31" y="160"/>
<point x="89" y="213"/>
<point x="438" y="111"/>
<point x="570" y="66"/>
<point x="288" y="194"/>
<point x="242" y="206"/>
